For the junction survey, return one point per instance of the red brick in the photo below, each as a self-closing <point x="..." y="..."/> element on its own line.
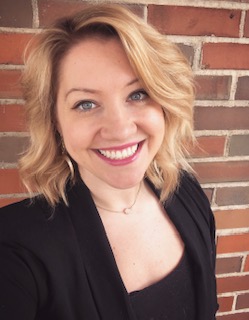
<point x="209" y="193"/>
<point x="239" y="145"/>
<point x="51" y="10"/>
<point x="194" y="21"/>
<point x="231" y="284"/>
<point x="225" y="56"/>
<point x="12" y="118"/>
<point x="246" y="27"/>
<point x="222" y="171"/>
<point x="225" y="303"/>
<point x="232" y="196"/>
<point x="136" y="8"/>
<point x="188" y="51"/>
<point x="211" y="146"/>
<point x="234" y="243"/>
<point x="246" y="268"/>
<point x="235" y="316"/>
<point x="213" y="87"/>
<point x="242" y="92"/>
<point x="209" y="118"/>
<point x="7" y="201"/>
<point x="10" y="84"/>
<point x="239" y="1"/>
<point x="242" y="301"/>
<point x="12" y="47"/>
<point x="232" y="219"/>
<point x="16" y="13"/>
<point x="11" y="147"/>
<point x="228" y="265"/>
<point x="10" y="182"/>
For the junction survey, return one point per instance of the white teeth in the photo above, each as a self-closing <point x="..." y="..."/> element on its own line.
<point x="120" y="154"/>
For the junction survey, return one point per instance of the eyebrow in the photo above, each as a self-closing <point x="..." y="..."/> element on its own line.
<point x="92" y="91"/>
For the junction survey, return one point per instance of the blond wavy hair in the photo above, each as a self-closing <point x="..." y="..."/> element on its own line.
<point x="160" y="66"/>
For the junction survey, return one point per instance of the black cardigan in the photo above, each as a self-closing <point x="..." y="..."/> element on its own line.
<point x="63" y="268"/>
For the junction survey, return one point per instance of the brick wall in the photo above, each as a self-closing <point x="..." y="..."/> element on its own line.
<point x="214" y="35"/>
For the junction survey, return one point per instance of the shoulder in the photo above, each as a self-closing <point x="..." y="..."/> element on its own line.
<point x="21" y="219"/>
<point x="25" y="209"/>
<point x="190" y="184"/>
<point x="192" y="195"/>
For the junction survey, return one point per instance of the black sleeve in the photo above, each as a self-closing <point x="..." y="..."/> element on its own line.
<point x="205" y="209"/>
<point x="18" y="293"/>
<point x="201" y="200"/>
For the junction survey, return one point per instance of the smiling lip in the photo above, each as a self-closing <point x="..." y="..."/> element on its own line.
<point x="120" y="155"/>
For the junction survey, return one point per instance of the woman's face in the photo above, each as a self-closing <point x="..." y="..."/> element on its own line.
<point x="110" y="126"/>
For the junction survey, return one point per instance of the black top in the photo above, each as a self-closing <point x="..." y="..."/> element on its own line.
<point x="172" y="298"/>
<point x="63" y="268"/>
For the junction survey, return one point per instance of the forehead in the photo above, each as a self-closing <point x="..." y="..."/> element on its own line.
<point x="95" y="60"/>
<point x="95" y="49"/>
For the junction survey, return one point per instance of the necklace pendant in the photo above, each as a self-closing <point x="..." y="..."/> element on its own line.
<point x="127" y="210"/>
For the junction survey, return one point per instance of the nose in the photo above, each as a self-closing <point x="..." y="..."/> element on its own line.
<point x="118" y="123"/>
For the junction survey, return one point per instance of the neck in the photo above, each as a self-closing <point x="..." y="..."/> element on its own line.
<point x="114" y="198"/>
<point x="117" y="196"/>
<point x="117" y="200"/>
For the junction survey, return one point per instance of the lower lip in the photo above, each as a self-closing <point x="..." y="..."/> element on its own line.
<point x="122" y="162"/>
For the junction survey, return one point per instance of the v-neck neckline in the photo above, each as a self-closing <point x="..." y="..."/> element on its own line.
<point x="97" y="255"/>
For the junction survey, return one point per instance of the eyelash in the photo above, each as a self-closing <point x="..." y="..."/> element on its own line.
<point x="140" y="91"/>
<point x="77" y="105"/>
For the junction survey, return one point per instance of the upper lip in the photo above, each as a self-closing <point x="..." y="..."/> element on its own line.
<point x="116" y="148"/>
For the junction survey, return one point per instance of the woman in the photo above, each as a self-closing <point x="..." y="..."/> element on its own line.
<point x="119" y="229"/>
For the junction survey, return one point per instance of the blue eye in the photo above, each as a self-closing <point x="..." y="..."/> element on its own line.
<point x="85" y="105"/>
<point x="138" y="95"/>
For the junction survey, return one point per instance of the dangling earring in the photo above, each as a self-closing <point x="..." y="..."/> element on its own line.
<point x="67" y="158"/>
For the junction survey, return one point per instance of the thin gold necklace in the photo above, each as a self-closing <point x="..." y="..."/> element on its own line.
<point x="127" y="210"/>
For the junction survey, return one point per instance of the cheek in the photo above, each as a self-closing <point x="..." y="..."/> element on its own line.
<point x="156" y="120"/>
<point x="78" y="139"/>
<point x="72" y="139"/>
